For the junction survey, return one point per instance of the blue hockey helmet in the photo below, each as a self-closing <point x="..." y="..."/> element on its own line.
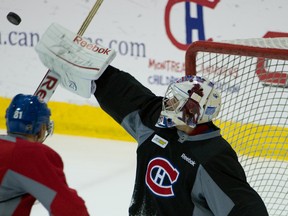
<point x="26" y="114"/>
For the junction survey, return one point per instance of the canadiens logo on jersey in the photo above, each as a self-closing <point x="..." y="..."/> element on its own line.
<point x="160" y="177"/>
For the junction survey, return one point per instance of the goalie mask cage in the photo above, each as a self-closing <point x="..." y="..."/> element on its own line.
<point x="251" y="75"/>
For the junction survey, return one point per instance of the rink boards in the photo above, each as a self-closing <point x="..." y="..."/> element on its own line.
<point x="91" y="121"/>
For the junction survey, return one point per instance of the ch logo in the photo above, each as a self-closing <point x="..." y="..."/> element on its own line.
<point x="160" y="177"/>
<point x="194" y="20"/>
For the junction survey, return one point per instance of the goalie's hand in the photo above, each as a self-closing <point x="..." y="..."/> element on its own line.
<point x="74" y="58"/>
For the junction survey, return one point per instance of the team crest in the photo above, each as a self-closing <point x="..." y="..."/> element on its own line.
<point x="161" y="176"/>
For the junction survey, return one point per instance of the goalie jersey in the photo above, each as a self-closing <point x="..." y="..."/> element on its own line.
<point x="30" y="171"/>
<point x="177" y="174"/>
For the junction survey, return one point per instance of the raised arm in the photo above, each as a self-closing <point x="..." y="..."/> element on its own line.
<point x="120" y="94"/>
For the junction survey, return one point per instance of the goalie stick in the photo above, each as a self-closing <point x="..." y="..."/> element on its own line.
<point x="51" y="79"/>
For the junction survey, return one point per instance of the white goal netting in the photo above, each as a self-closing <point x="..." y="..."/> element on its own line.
<point x="252" y="76"/>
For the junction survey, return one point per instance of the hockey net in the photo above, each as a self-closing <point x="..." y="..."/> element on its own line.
<point x="252" y="75"/>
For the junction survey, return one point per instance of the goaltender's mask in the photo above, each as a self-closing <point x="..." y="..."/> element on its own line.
<point x="191" y="100"/>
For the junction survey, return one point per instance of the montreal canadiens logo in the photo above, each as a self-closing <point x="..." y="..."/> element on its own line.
<point x="160" y="177"/>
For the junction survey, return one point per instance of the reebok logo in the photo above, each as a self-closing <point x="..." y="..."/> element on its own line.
<point x="93" y="47"/>
<point x="187" y="159"/>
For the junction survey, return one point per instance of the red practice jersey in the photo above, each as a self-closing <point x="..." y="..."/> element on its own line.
<point x="32" y="171"/>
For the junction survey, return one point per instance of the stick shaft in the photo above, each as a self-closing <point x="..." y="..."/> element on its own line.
<point x="89" y="18"/>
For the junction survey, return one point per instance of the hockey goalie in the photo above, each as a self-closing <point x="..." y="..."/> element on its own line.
<point x="184" y="165"/>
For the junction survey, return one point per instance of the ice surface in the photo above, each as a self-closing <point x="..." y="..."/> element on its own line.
<point x="102" y="171"/>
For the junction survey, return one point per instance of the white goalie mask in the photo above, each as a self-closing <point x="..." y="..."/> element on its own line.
<point x="191" y="100"/>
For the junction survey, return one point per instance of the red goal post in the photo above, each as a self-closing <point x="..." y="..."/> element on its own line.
<point x="252" y="75"/>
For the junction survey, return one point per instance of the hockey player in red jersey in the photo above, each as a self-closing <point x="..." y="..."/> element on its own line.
<point x="30" y="170"/>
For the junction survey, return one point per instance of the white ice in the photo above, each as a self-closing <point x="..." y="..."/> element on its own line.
<point x="102" y="171"/>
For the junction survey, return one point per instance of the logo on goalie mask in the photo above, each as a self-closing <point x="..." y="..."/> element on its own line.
<point x="189" y="101"/>
<point x="191" y="109"/>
